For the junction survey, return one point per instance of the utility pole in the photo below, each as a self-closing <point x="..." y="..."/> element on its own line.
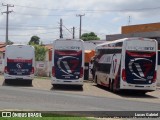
<point x="7" y="17"/>
<point x="73" y="32"/>
<point x="80" y="15"/>
<point x="61" y="24"/>
<point x="129" y="20"/>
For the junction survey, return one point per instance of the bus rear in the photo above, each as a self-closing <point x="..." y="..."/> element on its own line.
<point x="19" y="62"/>
<point x="67" y="62"/>
<point x="139" y="64"/>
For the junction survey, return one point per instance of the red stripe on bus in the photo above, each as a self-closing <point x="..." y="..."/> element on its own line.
<point x="136" y="54"/>
<point x="68" y="52"/>
<point x="19" y="60"/>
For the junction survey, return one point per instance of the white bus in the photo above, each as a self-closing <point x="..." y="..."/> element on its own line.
<point x="127" y="64"/>
<point x="19" y="63"/>
<point x="67" y="62"/>
<point x="158" y="71"/>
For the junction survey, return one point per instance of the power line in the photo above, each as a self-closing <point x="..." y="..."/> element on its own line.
<point x="46" y="8"/>
<point x="91" y="10"/>
<point x="32" y="26"/>
<point x="25" y="14"/>
<point x="30" y="34"/>
<point x="25" y="28"/>
<point x="67" y="29"/>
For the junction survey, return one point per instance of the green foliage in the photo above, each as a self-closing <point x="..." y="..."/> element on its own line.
<point x="40" y="52"/>
<point x="34" y="40"/>
<point x="89" y="36"/>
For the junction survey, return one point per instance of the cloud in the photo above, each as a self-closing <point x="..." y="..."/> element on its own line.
<point x="99" y="15"/>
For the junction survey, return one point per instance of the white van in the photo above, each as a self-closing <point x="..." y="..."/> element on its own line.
<point x="19" y="62"/>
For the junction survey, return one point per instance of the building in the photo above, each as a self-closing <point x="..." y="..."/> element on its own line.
<point x="151" y="30"/>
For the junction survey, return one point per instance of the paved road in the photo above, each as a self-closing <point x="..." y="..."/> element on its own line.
<point x="89" y="89"/>
<point x="17" y="98"/>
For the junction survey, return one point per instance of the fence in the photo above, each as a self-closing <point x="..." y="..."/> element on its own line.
<point x="43" y="69"/>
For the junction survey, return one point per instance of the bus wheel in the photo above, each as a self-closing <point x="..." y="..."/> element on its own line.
<point x="55" y="86"/>
<point x="96" y="81"/>
<point x="29" y="82"/>
<point x="110" y="85"/>
<point x="80" y="87"/>
<point x="113" y="87"/>
<point x="7" y="81"/>
<point x="142" y="92"/>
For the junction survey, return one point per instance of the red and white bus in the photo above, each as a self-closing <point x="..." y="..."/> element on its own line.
<point x="67" y="62"/>
<point x="19" y="63"/>
<point x="127" y="64"/>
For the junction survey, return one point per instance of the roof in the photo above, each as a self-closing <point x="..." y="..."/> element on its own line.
<point x="2" y="49"/>
<point x="49" y="46"/>
<point x="2" y="43"/>
<point x="2" y="46"/>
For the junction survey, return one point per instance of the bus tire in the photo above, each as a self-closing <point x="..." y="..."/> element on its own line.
<point x="113" y="87"/>
<point x="80" y="87"/>
<point x="28" y="82"/>
<point x="55" y="86"/>
<point x="110" y="85"/>
<point x="142" y="92"/>
<point x="96" y="80"/>
<point x="7" y="81"/>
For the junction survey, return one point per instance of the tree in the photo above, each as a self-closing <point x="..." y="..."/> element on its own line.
<point x="40" y="52"/>
<point x="89" y="36"/>
<point x="34" y="40"/>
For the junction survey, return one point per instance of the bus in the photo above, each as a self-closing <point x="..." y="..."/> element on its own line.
<point x="19" y="63"/>
<point x="67" y="62"/>
<point x="127" y="64"/>
<point x="158" y="71"/>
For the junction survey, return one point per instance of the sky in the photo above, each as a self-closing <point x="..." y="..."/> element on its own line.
<point x="104" y="17"/>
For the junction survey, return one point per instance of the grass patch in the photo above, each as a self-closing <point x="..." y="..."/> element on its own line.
<point x="43" y="78"/>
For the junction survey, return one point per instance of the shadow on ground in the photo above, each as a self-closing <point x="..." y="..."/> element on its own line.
<point x="128" y="93"/>
<point x="67" y="88"/>
<point x="17" y="83"/>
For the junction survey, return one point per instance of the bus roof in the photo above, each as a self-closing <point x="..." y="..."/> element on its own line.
<point x="122" y="40"/>
<point x="68" y="39"/>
